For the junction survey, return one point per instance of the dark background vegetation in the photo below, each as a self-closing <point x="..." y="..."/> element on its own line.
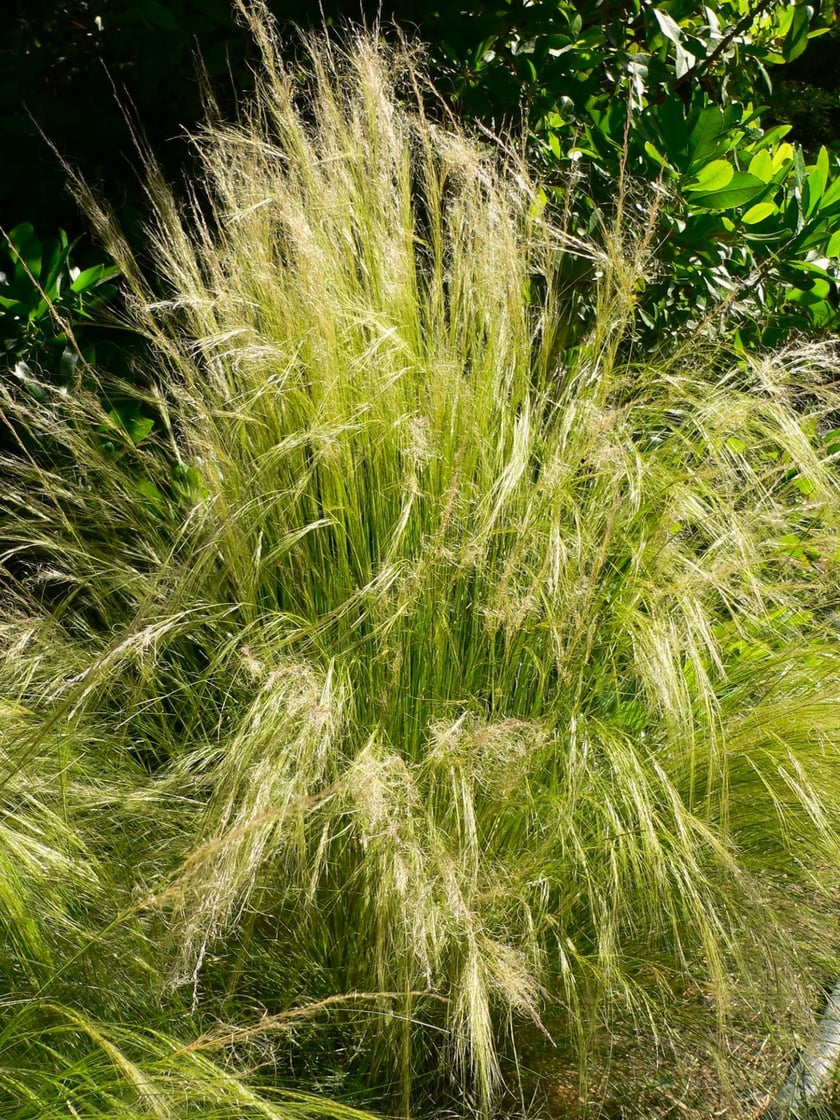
<point x="723" y="117"/>
<point x="69" y="68"/>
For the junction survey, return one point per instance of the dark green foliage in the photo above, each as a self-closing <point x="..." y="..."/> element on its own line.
<point x="806" y="94"/>
<point x="44" y="302"/>
<point x="670" y="96"/>
<point x="64" y="66"/>
<point x="611" y="90"/>
<point x="70" y="69"/>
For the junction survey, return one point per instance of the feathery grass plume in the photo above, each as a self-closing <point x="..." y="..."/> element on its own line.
<point x="462" y="685"/>
<point x="58" y="1062"/>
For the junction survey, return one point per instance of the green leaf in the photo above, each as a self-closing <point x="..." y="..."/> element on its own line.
<point x="706" y="136"/>
<point x="713" y="177"/>
<point x="21" y="234"/>
<point x="832" y="194"/>
<point x="741" y="189"/>
<point x="773" y="135"/>
<point x="833" y="249"/>
<point x="669" y="121"/>
<point x="91" y="277"/>
<point x="187" y="482"/>
<point x="55" y="262"/>
<point x="782" y="156"/>
<point x="39" y="310"/>
<point x="796" y="39"/>
<point x="668" y="26"/>
<point x="761" y="165"/>
<point x="758" y="213"/>
<point x="139" y="427"/>
<point x="685" y="61"/>
<point x="822" y="163"/>
<point x="817" y="179"/>
<point x="656" y="155"/>
<point x="127" y="419"/>
<point x="799" y="167"/>
<point x="26" y="250"/>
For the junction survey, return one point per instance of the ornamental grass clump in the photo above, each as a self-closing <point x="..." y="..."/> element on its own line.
<point x="415" y="686"/>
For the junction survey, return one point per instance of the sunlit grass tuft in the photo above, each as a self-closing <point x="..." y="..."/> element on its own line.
<point x="449" y="682"/>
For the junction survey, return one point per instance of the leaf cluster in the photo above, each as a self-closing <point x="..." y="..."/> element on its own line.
<point x="671" y="95"/>
<point x="44" y="300"/>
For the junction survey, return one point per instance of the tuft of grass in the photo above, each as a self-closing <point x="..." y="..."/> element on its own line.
<point x="416" y="684"/>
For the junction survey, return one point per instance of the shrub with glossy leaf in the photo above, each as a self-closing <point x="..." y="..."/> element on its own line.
<point x="468" y="684"/>
<point x="43" y="300"/>
<point x="671" y="94"/>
